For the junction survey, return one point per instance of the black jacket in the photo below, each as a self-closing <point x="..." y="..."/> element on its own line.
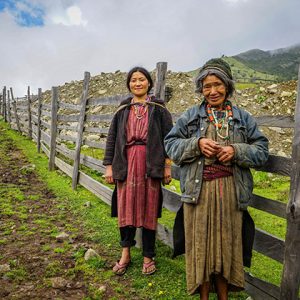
<point x="160" y="123"/>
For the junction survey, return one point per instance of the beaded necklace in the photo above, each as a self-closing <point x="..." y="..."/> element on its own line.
<point x="140" y="109"/>
<point x="222" y="122"/>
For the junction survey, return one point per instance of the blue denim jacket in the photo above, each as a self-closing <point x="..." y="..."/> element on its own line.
<point x="250" y="145"/>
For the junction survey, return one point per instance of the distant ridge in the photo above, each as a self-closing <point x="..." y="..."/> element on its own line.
<point x="283" y="62"/>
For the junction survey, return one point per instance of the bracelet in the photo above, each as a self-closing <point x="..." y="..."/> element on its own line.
<point x="168" y="162"/>
<point x="167" y="166"/>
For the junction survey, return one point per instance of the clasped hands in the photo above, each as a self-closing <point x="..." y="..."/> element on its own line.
<point x="212" y="148"/>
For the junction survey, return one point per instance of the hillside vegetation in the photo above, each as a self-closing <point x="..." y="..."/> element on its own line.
<point x="283" y="63"/>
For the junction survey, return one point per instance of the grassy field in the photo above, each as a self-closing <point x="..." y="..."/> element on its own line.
<point x="169" y="281"/>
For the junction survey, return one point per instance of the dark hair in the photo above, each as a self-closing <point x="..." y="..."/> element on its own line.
<point x="144" y="72"/>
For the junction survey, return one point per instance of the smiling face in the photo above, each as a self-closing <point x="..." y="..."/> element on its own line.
<point x="214" y="91"/>
<point x="138" y="84"/>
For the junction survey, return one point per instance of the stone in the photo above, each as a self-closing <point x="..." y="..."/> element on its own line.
<point x="286" y="94"/>
<point x="87" y="204"/>
<point x="102" y="289"/>
<point x="62" y="237"/>
<point x="90" y="253"/>
<point x="59" y="283"/>
<point x="102" y="92"/>
<point x="92" y="137"/>
<point x="272" y="86"/>
<point x="4" y="268"/>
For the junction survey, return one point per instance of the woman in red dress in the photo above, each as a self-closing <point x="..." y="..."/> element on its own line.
<point x="136" y="161"/>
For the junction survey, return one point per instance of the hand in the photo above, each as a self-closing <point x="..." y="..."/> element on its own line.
<point x="225" y="154"/>
<point x="167" y="175"/>
<point x="208" y="147"/>
<point x="109" y="174"/>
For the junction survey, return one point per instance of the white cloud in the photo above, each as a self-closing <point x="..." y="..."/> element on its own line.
<point x="69" y="17"/>
<point x="107" y="35"/>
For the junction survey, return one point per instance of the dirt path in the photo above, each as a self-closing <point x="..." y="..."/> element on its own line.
<point x="34" y="263"/>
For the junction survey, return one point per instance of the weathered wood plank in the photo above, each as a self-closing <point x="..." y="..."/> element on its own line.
<point x="165" y="235"/>
<point x="8" y="107"/>
<point x="89" y="118"/>
<point x="15" y="110"/>
<point x="45" y="138"/>
<point x="291" y="271"/>
<point x="1" y="103"/>
<point x="278" y="165"/>
<point x="96" y="188"/>
<point x="69" y="106"/>
<point x="29" y="113"/>
<point x="4" y="104"/>
<point x="46" y="107"/>
<point x="97" y="145"/>
<point x="259" y="289"/>
<point x="53" y="134"/>
<point x="45" y="124"/>
<point x="268" y="245"/>
<point x="80" y="129"/>
<point x="171" y="200"/>
<point x="160" y="82"/>
<point x="275" y="121"/>
<point x="271" y="121"/>
<point x="93" y="163"/>
<point x="46" y="113"/>
<point x="96" y="130"/>
<point x="99" y="118"/>
<point x="64" y="137"/>
<point x="39" y="111"/>
<point x="68" y="127"/>
<point x="271" y="206"/>
<point x="113" y="100"/>
<point x="67" y="118"/>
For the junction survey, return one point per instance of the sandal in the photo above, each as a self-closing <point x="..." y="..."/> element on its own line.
<point x="120" y="269"/>
<point x="147" y="266"/>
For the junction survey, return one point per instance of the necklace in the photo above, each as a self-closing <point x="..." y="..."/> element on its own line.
<point x="220" y="122"/>
<point x="140" y="109"/>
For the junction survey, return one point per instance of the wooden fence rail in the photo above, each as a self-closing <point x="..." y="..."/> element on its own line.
<point x="48" y="127"/>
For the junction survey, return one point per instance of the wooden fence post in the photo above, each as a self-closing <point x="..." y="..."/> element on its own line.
<point x="15" y="110"/>
<point x="29" y="114"/>
<point x="0" y="104"/>
<point x="53" y="130"/>
<point x="39" y="111"/>
<point x="80" y="126"/>
<point x="4" y="104"/>
<point x="290" y="282"/>
<point x="160" y="80"/>
<point x="8" y="107"/>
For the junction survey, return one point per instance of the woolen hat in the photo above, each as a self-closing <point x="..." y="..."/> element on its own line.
<point x="217" y="64"/>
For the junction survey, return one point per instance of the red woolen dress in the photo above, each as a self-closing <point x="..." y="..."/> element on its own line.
<point x="138" y="195"/>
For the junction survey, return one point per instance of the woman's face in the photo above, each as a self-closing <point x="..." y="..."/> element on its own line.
<point x="214" y="91"/>
<point x="138" y="84"/>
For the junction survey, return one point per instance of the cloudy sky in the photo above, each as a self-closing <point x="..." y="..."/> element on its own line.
<point x="49" y="42"/>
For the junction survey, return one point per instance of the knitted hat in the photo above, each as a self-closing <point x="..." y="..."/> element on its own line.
<point x="217" y="64"/>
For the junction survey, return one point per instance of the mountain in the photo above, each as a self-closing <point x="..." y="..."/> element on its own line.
<point x="283" y="62"/>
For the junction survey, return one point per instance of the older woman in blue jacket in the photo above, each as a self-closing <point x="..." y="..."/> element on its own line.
<point x="215" y="144"/>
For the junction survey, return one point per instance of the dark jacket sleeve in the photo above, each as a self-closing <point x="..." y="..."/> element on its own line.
<point x="110" y="142"/>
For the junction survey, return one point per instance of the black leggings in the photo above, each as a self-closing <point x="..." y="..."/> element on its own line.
<point x="148" y="238"/>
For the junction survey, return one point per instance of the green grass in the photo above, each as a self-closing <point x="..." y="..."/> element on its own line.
<point x="169" y="282"/>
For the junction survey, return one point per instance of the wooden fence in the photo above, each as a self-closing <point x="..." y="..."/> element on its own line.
<point x="46" y="125"/>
